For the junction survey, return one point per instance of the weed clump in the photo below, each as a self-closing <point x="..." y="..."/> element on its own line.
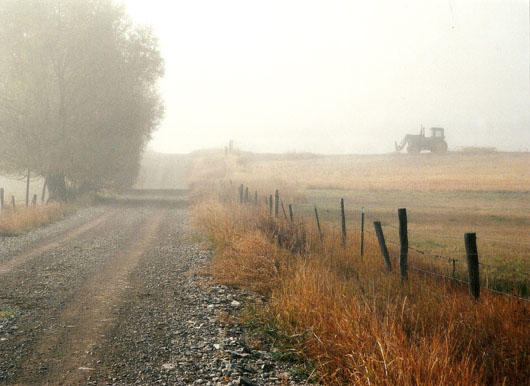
<point x="251" y="261"/>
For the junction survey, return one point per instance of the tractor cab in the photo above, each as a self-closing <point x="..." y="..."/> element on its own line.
<point x="437" y="132"/>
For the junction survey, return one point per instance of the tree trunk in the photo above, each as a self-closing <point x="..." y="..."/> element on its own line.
<point x="56" y="187"/>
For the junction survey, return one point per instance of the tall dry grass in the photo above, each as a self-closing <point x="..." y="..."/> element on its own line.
<point x="20" y="220"/>
<point x="357" y="324"/>
<point x="346" y="315"/>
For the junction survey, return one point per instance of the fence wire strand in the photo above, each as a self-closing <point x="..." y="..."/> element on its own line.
<point x="440" y="257"/>
<point x="455" y="260"/>
<point x="440" y="275"/>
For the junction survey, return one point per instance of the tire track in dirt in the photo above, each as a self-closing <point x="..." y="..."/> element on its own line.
<point x="65" y="351"/>
<point x="43" y="248"/>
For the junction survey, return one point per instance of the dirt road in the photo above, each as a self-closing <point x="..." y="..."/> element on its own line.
<point x="112" y="295"/>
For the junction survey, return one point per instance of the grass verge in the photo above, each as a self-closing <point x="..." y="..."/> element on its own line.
<point x="16" y="221"/>
<point x="352" y="321"/>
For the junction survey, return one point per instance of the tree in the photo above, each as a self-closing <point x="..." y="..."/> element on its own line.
<point x="78" y="92"/>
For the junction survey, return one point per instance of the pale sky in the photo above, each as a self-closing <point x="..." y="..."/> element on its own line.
<point x="340" y="76"/>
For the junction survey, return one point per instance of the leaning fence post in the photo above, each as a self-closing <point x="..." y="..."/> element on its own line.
<point x="291" y="215"/>
<point x="2" y="198"/>
<point x="276" y="203"/>
<point x="318" y="224"/>
<point x="283" y="210"/>
<point x="343" y="219"/>
<point x="382" y="245"/>
<point x="34" y="201"/>
<point x="247" y="199"/>
<point x="270" y="203"/>
<point x="404" y="243"/>
<point x="13" y="202"/>
<point x="241" y="193"/>
<point x="472" y="264"/>
<point x="362" y="231"/>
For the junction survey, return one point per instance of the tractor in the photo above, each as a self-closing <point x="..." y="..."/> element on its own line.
<point x="416" y="143"/>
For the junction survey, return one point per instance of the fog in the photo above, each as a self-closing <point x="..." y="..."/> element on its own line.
<point x="340" y="76"/>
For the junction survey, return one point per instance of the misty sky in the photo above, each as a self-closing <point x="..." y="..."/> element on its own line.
<point x="340" y="76"/>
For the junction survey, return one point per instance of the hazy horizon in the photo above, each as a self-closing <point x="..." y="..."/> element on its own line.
<point x="340" y="76"/>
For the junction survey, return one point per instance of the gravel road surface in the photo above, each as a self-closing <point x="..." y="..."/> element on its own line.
<point x="113" y="295"/>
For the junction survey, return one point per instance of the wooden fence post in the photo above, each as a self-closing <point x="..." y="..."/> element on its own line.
<point x="44" y="190"/>
<point x="270" y="204"/>
<point x="256" y="197"/>
<point x="276" y="203"/>
<point x="13" y="202"/>
<point x="2" y="198"/>
<point x="247" y="199"/>
<point x="241" y="193"/>
<point x="318" y="224"/>
<point x="291" y="215"/>
<point x="404" y="243"/>
<point x="472" y="264"/>
<point x="34" y="201"/>
<point x="27" y="188"/>
<point x="343" y="222"/>
<point x="382" y="245"/>
<point x="283" y="210"/>
<point x="362" y="232"/>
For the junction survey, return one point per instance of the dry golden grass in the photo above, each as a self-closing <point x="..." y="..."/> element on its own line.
<point x="444" y="195"/>
<point x="243" y="256"/>
<point x="20" y="220"/>
<point x="424" y="172"/>
<point x="356" y="323"/>
<point x="359" y="325"/>
<point x="250" y="261"/>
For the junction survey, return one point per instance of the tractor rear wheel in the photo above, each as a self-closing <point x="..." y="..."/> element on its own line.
<point x="440" y="148"/>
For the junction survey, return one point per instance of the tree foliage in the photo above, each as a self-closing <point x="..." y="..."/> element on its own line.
<point x="78" y="96"/>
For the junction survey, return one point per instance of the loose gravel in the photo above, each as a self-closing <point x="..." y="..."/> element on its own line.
<point x="168" y="326"/>
<point x="11" y="246"/>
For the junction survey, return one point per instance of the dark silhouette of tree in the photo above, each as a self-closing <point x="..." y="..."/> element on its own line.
<point x="78" y="95"/>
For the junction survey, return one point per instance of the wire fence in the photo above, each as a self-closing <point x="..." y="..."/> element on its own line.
<point x="455" y="260"/>
<point x="27" y="189"/>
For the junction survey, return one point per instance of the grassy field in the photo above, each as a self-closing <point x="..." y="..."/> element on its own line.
<point x="422" y="172"/>
<point x="437" y="223"/>
<point x="445" y="197"/>
<point x="351" y="322"/>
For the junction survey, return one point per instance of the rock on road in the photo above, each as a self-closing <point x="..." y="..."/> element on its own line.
<point x="113" y="295"/>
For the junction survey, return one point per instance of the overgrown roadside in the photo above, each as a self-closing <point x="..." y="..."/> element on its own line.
<point x="343" y="314"/>
<point x="20" y="220"/>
